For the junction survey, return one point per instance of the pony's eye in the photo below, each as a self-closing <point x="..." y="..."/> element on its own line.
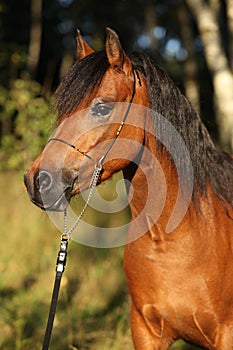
<point x="101" y="109"/>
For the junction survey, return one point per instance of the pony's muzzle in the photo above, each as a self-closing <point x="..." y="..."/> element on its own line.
<point x="48" y="190"/>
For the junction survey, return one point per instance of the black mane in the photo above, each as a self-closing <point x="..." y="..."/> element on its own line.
<point x="80" y="82"/>
<point x="209" y="163"/>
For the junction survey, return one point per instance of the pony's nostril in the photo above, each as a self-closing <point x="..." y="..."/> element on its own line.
<point x="44" y="181"/>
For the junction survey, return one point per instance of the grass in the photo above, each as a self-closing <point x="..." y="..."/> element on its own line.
<point x="94" y="306"/>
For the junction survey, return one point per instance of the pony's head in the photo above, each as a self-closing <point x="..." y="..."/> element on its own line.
<point x="93" y="102"/>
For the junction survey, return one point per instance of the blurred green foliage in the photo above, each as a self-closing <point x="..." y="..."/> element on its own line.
<point x="26" y="120"/>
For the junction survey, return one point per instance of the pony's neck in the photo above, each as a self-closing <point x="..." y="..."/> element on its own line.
<point x="153" y="189"/>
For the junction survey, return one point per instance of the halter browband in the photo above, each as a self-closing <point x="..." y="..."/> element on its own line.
<point x="101" y="160"/>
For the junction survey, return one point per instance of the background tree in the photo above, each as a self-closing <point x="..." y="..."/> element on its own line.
<point x="190" y="77"/>
<point x="207" y="17"/>
<point x="34" y="45"/>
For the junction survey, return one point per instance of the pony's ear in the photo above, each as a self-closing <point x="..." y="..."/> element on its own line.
<point x="117" y="57"/>
<point x="82" y="48"/>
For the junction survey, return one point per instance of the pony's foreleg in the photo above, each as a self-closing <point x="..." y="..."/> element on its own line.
<point x="143" y="336"/>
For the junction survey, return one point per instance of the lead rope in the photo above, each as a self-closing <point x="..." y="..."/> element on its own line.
<point x="62" y="254"/>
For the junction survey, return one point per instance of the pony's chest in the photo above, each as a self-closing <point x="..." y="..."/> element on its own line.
<point x="167" y="275"/>
<point x="169" y="290"/>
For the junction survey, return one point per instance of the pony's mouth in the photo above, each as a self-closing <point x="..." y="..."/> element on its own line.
<point x="61" y="201"/>
<point x="51" y="195"/>
<point x="59" y="204"/>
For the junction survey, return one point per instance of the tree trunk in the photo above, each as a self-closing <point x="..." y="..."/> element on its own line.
<point x="35" y="36"/>
<point x="229" y="4"/>
<point x="150" y="22"/>
<point x="219" y="68"/>
<point x="190" y="64"/>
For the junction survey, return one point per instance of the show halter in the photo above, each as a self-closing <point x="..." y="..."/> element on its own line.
<point x="66" y="236"/>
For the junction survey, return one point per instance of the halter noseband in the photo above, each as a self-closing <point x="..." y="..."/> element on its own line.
<point x="101" y="160"/>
